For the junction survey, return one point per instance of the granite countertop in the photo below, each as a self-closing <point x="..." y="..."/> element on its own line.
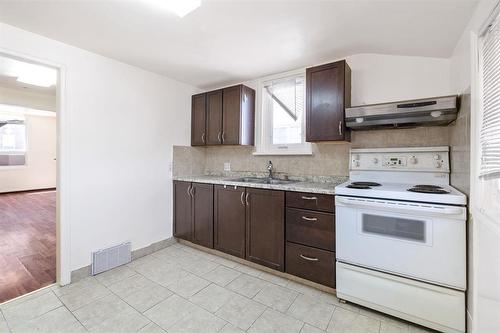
<point x="306" y="185"/>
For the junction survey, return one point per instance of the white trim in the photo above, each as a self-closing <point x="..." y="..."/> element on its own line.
<point x="474" y="154"/>
<point x="63" y="169"/>
<point x="287" y="153"/>
<point x="262" y="147"/>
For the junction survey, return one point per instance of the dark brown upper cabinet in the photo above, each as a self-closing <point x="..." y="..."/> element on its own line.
<point x="229" y="220"/>
<point x="328" y="93"/>
<point x="214" y="117"/>
<point x="265" y="219"/>
<point x="223" y="117"/>
<point x="198" y="120"/>
<point x="193" y="212"/>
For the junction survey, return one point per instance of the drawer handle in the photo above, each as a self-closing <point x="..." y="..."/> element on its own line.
<point x="309" y="198"/>
<point x="241" y="198"/>
<point x="308" y="258"/>
<point x="312" y="219"/>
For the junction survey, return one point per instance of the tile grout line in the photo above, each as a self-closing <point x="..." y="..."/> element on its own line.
<point x="64" y="305"/>
<point x="139" y="312"/>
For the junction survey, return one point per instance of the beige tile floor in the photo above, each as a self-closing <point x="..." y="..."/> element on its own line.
<point x="180" y="290"/>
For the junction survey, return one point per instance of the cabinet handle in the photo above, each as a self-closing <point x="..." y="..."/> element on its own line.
<point x="203" y="137"/>
<point x="192" y="191"/>
<point x="312" y="219"/>
<point x="223" y="136"/>
<point x="189" y="190"/>
<point x="309" y="198"/>
<point x="218" y="136"/>
<point x="340" y="127"/>
<point x="241" y="198"/>
<point x="308" y="258"/>
<point x="246" y="199"/>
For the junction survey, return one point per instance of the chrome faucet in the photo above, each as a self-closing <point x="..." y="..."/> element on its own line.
<point x="270" y="169"/>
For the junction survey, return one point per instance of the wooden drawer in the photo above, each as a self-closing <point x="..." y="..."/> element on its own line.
<point x="311" y="264"/>
<point x="310" y="228"/>
<point x="322" y="202"/>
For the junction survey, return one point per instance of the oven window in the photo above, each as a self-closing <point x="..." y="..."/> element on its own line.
<point x="394" y="227"/>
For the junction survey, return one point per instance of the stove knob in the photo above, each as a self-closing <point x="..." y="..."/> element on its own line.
<point x="437" y="157"/>
<point x="375" y="160"/>
<point x="356" y="163"/>
<point x="413" y="160"/>
<point x="437" y="164"/>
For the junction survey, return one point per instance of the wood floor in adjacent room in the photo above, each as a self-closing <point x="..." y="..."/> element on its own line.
<point x="27" y="242"/>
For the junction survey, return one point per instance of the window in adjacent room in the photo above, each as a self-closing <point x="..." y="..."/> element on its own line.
<point x="12" y="140"/>
<point x="282" y="126"/>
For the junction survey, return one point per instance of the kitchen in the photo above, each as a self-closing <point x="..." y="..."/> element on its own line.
<point x="338" y="191"/>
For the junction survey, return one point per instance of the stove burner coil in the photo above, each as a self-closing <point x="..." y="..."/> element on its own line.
<point x="438" y="190"/>
<point x="365" y="184"/>
<point x="359" y="187"/>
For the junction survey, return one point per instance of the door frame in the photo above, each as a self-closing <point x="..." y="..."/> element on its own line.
<point x="63" y="234"/>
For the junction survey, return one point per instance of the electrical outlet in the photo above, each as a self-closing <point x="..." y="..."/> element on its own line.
<point x="227" y="166"/>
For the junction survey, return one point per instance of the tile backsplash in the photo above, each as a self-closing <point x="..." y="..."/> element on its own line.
<point x="328" y="159"/>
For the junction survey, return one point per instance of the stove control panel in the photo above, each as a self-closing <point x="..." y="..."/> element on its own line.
<point x="394" y="161"/>
<point x="434" y="159"/>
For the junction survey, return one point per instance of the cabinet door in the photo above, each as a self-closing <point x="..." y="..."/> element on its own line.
<point x="231" y="113"/>
<point x="203" y="214"/>
<point x="182" y="210"/>
<point x="265" y="227"/>
<point x="325" y="102"/>
<point x="229" y="220"/>
<point x="198" y="120"/>
<point x="214" y="117"/>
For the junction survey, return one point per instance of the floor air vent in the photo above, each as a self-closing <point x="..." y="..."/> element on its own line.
<point x="112" y="257"/>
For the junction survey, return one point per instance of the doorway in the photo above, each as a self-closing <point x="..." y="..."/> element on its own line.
<point x="28" y="176"/>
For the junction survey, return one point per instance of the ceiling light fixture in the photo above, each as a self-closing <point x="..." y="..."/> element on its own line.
<point x="179" y="7"/>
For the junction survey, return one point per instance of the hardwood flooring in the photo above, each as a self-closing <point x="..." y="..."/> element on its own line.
<point x="27" y="242"/>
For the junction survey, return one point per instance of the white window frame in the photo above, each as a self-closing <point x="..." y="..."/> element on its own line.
<point x="17" y="152"/>
<point x="263" y="131"/>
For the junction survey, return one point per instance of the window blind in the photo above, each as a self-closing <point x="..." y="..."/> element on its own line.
<point x="490" y="126"/>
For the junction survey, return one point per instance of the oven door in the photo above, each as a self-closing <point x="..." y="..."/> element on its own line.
<point x="420" y="241"/>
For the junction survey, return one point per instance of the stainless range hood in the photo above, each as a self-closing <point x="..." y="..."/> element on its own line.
<point x="419" y="112"/>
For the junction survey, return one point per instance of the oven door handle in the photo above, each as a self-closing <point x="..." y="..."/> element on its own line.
<point x="428" y="209"/>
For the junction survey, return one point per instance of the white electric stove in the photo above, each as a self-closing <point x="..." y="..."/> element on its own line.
<point x="401" y="236"/>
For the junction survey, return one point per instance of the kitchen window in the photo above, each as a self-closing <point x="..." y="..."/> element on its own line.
<point x="487" y="188"/>
<point x="12" y="140"/>
<point x="282" y="115"/>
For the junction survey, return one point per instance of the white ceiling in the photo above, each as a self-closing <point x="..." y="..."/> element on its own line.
<point x="229" y="41"/>
<point x="9" y="71"/>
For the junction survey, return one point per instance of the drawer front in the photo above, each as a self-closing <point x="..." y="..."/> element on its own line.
<point x="310" y="228"/>
<point x="311" y="264"/>
<point x="313" y="201"/>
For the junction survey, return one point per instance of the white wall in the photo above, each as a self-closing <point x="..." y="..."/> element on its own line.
<point x="484" y="232"/>
<point x="117" y="127"/>
<point x="40" y="169"/>
<point x="378" y="78"/>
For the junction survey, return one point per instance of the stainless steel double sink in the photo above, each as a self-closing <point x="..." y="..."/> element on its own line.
<point x="259" y="180"/>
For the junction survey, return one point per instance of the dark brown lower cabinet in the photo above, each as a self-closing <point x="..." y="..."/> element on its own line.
<point x="203" y="214"/>
<point x="312" y="228"/>
<point x="229" y="221"/>
<point x="182" y="210"/>
<point x="311" y="264"/>
<point x="193" y="212"/>
<point x="265" y="219"/>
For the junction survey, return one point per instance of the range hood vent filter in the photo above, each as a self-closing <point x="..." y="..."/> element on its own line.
<point x="437" y="111"/>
